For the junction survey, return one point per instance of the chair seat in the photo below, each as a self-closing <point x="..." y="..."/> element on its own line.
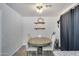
<point x="31" y="49"/>
<point x="47" y="48"/>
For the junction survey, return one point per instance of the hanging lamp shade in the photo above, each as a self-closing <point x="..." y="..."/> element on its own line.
<point x="40" y="21"/>
<point x="40" y="24"/>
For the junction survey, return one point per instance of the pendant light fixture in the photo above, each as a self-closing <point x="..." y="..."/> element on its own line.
<point x="40" y="23"/>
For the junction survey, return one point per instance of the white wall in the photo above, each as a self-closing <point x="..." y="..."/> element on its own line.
<point x="28" y="27"/>
<point x="0" y="32"/>
<point x="11" y="30"/>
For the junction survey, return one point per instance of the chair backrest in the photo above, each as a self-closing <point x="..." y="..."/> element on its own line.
<point x="53" y="38"/>
<point x="29" y="36"/>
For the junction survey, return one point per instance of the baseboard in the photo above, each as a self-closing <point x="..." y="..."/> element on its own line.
<point x="16" y="50"/>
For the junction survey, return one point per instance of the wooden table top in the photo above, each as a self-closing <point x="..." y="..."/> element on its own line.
<point x="39" y="41"/>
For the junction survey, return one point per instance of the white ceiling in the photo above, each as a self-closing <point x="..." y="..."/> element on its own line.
<point x="28" y="9"/>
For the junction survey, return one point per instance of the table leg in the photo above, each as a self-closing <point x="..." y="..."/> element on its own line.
<point x="39" y="51"/>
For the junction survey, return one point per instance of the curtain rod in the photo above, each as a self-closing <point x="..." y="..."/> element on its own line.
<point x="69" y="8"/>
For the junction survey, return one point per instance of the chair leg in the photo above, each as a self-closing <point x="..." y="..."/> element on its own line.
<point x="32" y="53"/>
<point x="36" y="53"/>
<point x="43" y="53"/>
<point x="28" y="53"/>
<point x="47" y="52"/>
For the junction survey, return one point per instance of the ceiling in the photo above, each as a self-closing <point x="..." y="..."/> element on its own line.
<point x="28" y="9"/>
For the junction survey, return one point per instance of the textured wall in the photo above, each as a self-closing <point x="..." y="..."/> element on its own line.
<point x="11" y="30"/>
<point x="0" y="32"/>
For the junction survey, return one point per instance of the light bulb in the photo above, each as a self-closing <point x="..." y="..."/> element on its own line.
<point x="39" y="7"/>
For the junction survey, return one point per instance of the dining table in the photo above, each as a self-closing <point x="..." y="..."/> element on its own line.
<point x="39" y="42"/>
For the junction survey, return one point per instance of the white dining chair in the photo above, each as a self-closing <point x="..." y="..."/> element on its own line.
<point x="51" y="46"/>
<point x="30" y="48"/>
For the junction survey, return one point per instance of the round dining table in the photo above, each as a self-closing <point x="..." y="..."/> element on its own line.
<point x="39" y="42"/>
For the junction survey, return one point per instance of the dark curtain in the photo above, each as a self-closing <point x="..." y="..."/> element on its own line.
<point x="69" y="30"/>
<point x="76" y="28"/>
<point x="65" y="29"/>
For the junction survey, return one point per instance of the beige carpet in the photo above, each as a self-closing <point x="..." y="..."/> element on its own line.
<point x="21" y="52"/>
